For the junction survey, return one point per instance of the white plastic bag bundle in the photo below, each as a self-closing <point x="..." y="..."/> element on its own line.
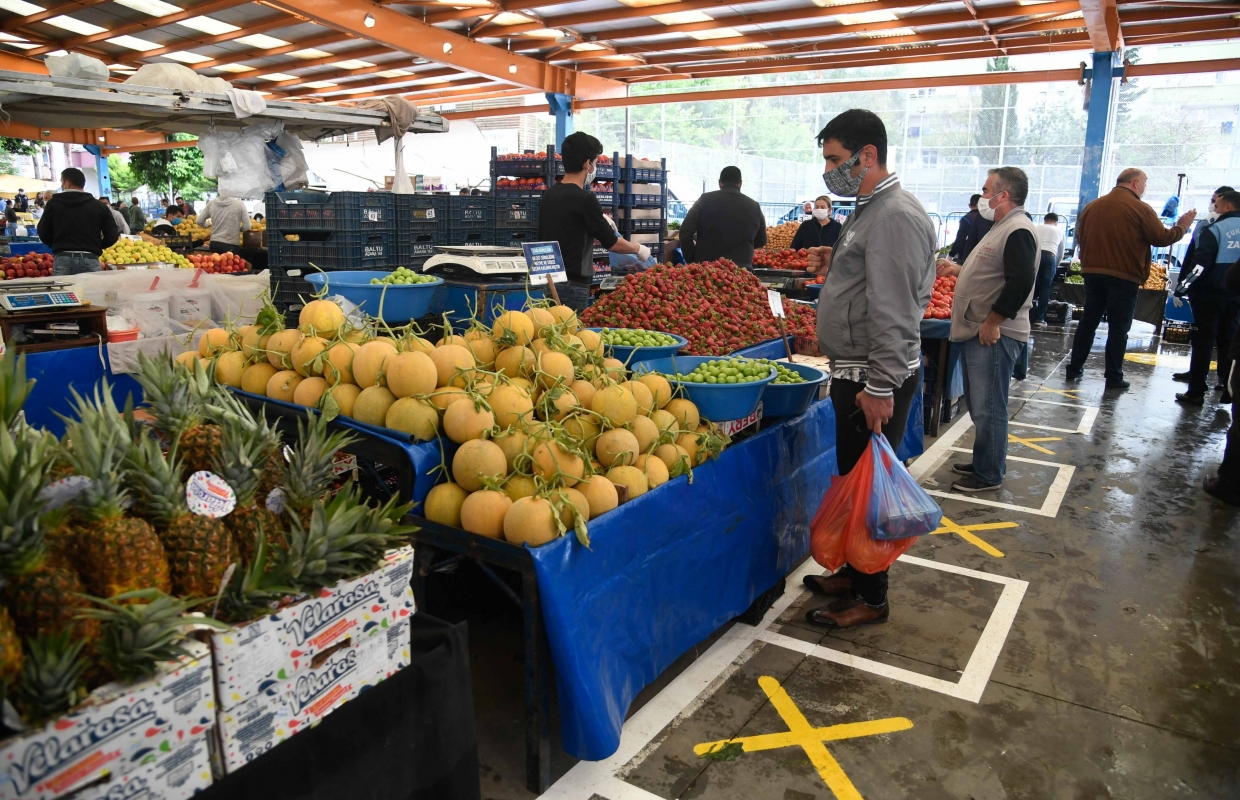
<point x="238" y="160"/>
<point x="176" y="76"/>
<point x="293" y="166"/>
<point x="76" y="65"/>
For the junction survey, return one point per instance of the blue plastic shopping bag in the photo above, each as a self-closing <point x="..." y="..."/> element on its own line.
<point x="899" y="508"/>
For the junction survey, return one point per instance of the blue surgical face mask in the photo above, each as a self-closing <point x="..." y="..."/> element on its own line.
<point x="840" y="181"/>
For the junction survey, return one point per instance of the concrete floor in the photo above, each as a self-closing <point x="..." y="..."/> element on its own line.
<point x="1089" y="650"/>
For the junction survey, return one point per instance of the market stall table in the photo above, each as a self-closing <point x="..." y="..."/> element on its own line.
<point x="460" y="297"/>
<point x="1151" y="303"/>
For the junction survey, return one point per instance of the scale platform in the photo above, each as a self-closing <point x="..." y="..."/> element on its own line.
<point x="473" y="261"/>
<point x="37" y="294"/>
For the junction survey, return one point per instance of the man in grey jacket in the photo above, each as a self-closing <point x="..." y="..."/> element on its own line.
<point x="879" y="278"/>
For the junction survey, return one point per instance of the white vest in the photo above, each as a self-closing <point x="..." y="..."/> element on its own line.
<point x="981" y="280"/>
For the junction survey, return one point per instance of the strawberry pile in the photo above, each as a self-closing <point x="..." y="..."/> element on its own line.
<point x="781" y="259"/>
<point x="717" y="306"/>
<point x="30" y="265"/>
<point x="941" y="298"/>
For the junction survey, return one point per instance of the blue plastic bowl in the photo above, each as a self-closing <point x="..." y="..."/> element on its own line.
<point x="401" y="303"/>
<point x="717" y="402"/>
<point x="791" y="399"/>
<point x="626" y="354"/>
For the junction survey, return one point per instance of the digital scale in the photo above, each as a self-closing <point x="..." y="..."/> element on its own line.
<point x="37" y="294"/>
<point x="471" y="261"/>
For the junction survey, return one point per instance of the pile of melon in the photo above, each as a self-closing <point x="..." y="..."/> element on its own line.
<point x="551" y="433"/>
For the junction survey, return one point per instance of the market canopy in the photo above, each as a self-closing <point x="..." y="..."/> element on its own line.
<point x="338" y="51"/>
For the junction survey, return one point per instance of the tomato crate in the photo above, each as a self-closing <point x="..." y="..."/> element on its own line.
<point x="416" y="246"/>
<point x="421" y="213"/>
<point x="511" y="213"/>
<point x="333" y="250"/>
<point x="470" y="213"/>
<point x="330" y="211"/>
<point x="515" y="238"/>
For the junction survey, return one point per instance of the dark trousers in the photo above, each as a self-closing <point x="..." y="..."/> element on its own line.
<point x="1117" y="298"/>
<point x="1042" y="287"/>
<point x="224" y="247"/>
<point x="1216" y="316"/>
<point x="851" y="438"/>
<point x="1229" y="470"/>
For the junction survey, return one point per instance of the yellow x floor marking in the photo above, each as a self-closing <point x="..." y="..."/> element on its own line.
<point x="802" y="734"/>
<point x="966" y="532"/>
<point x="1068" y="393"/>
<point x="1029" y="442"/>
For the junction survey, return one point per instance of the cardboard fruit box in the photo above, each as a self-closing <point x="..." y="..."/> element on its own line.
<point x="182" y="773"/>
<point x="261" y="654"/>
<point x="117" y="730"/>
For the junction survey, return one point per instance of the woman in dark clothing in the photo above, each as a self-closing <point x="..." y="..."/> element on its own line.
<point x="819" y="231"/>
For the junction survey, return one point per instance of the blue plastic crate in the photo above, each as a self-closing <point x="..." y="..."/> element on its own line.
<point x="470" y="213"/>
<point x="516" y="213"/>
<point x="333" y="251"/>
<point x="508" y="237"/>
<point x="474" y="236"/>
<point x="329" y="211"/>
<point x="528" y="167"/>
<point x="641" y="175"/>
<point x="640" y="225"/>
<point x="415" y="247"/>
<point x="517" y="194"/>
<point x="641" y="201"/>
<point x="421" y="213"/>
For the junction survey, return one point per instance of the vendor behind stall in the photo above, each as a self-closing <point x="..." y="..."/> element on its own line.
<point x="227" y="217"/>
<point x="571" y="215"/>
<point x="820" y="230"/>
<point x="724" y="224"/>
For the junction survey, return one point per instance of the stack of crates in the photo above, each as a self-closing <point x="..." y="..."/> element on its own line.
<point x="471" y="220"/>
<point x="641" y="201"/>
<point x="333" y="231"/>
<point x="422" y="223"/>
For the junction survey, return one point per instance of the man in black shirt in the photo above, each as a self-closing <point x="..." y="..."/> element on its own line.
<point x="972" y="229"/>
<point x="76" y="226"/>
<point x="570" y="214"/>
<point x="724" y="224"/>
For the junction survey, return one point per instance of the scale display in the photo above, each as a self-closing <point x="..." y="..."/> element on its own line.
<point x="36" y="295"/>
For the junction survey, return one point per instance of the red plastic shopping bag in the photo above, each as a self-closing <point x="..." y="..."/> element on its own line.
<point x="838" y="532"/>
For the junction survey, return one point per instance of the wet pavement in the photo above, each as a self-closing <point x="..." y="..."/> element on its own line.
<point x="1074" y="635"/>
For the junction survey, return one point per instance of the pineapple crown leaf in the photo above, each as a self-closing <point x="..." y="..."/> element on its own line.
<point x="142" y="628"/>
<point x="51" y="681"/>
<point x="173" y="393"/>
<point x="157" y="481"/>
<point x="242" y="457"/>
<point x="26" y="460"/>
<point x="14" y="387"/>
<point x="98" y="440"/>
<point x="309" y="469"/>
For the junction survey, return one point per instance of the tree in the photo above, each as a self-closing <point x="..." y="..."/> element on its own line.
<point x="124" y="182"/>
<point x="19" y="147"/>
<point x="998" y="107"/>
<point x="181" y="168"/>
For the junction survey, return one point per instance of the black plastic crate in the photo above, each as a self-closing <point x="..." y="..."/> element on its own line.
<point x="527" y="166"/>
<point x="641" y="175"/>
<point x="330" y="211"/>
<point x="471" y="213"/>
<point x="517" y="194"/>
<point x="474" y="236"/>
<point x="421" y="213"/>
<point x="416" y="246"/>
<point x="512" y="213"/>
<point x="640" y="225"/>
<point x="515" y="237"/>
<point x="290" y="290"/>
<point x="337" y="250"/>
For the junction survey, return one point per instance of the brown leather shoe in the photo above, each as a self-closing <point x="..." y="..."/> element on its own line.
<point x="848" y="614"/>
<point x="829" y="585"/>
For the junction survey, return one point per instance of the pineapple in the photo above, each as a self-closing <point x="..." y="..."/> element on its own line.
<point x="43" y="588"/>
<point x="143" y="628"/>
<point x="309" y="470"/>
<point x="177" y="396"/>
<point x="199" y="548"/>
<point x="10" y="651"/>
<point x="14" y="387"/>
<point x="114" y="553"/>
<point x="53" y="676"/>
<point x="244" y="450"/>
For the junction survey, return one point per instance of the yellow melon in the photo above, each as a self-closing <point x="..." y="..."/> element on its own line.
<point x="214" y="341"/>
<point x="305" y="355"/>
<point x="283" y="384"/>
<point x="254" y="378"/>
<point x="454" y="365"/>
<point x="229" y="366"/>
<point x="411" y="373"/>
<point x="371" y="406"/>
<point x="321" y="318"/>
<point x="414" y="416"/>
<point x="309" y="392"/>
<point x="345" y="395"/>
<point x="475" y="460"/>
<point x="370" y="363"/>
<point x="280" y="345"/>
<point x="513" y="328"/>
<point x="531" y="521"/>
<point x="338" y="367"/>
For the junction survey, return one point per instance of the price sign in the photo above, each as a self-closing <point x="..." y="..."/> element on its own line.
<point x="776" y="301"/>
<point x="545" y="261"/>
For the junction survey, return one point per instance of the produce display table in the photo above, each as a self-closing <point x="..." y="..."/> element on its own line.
<point x="410" y="737"/>
<point x="1151" y="303"/>
<point x="22" y="248"/>
<point x="56" y="372"/>
<point x="947" y="365"/>
<point x="458" y="297"/>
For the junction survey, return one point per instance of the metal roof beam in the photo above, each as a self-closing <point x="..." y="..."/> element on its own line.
<point x="333" y="37"/>
<point x="346" y="73"/>
<point x="14" y="23"/>
<point x="1102" y="22"/>
<point x="481" y="11"/>
<point x="258" y="26"/>
<point x="371" y="84"/>
<point x="406" y="34"/>
<point x="413" y="95"/>
<point x="141" y="25"/>
<point x="644" y="12"/>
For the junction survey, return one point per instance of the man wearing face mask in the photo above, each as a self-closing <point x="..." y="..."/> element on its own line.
<point x="1115" y="234"/>
<point x="1216" y="309"/>
<point x="820" y="230"/>
<point x="990" y="320"/>
<point x="570" y="214"/>
<point x="879" y="276"/>
<point x="1182" y="291"/>
<point x="724" y="224"/>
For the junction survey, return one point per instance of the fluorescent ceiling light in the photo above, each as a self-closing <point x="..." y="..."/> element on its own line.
<point x="393" y="73"/>
<point x="310" y="52"/>
<point x="278" y="76"/>
<point x="647" y="3"/>
<point x="510" y="18"/>
<point x="59" y="53"/>
<point x="262" y="41"/>
<point x="320" y="84"/>
<point x="586" y="46"/>
<point x="233" y="68"/>
<point x="8" y="37"/>
<point x="156" y="8"/>
<point x="353" y="64"/>
<point x="75" y="25"/>
<point x="134" y="43"/>
<point x="464" y="3"/>
<point x="359" y="90"/>
<point x="717" y="33"/>
<point x="22" y="45"/>
<point x="207" y="25"/>
<point x="544" y="33"/>
<point x="866" y="17"/>
<point x="734" y="48"/>
<point x="21" y="7"/>
<point x="889" y="32"/>
<point x="186" y="57"/>
<point x="121" y="67"/>
<point x="682" y="17"/>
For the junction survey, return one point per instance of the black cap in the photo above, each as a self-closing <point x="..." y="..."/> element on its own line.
<point x="731" y="176"/>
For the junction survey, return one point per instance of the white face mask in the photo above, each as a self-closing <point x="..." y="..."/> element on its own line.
<point x="822" y="213"/>
<point x="590" y="175"/>
<point x="985" y="210"/>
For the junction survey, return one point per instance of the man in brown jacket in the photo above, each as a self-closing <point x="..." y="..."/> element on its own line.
<point x="1115" y="233"/>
